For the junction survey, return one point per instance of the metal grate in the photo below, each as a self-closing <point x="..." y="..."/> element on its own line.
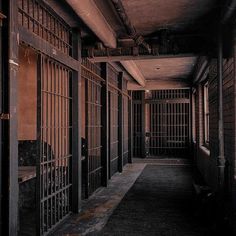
<point x="167" y="94"/>
<point x="113" y="119"/>
<point x="168" y="123"/>
<point x="137" y="123"/>
<point x="54" y="169"/>
<point x="93" y="167"/>
<point x="37" y="18"/>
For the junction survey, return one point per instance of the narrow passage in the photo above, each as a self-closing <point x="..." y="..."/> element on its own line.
<point x="159" y="203"/>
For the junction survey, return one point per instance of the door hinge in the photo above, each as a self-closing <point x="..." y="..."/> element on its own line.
<point x="4" y="116"/>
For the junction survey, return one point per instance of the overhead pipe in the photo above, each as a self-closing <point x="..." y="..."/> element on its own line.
<point x="230" y="9"/>
<point x="139" y="40"/>
<point x="134" y="71"/>
<point x="94" y="19"/>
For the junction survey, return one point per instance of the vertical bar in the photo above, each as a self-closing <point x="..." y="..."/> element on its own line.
<point x="120" y="122"/>
<point x="131" y="128"/>
<point x="88" y="116"/>
<point x="105" y="125"/>
<point x="76" y="126"/>
<point x="143" y="115"/>
<point x="12" y="70"/>
<point x="39" y="172"/>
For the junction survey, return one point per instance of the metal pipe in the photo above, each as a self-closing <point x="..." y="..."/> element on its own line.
<point x="221" y="157"/>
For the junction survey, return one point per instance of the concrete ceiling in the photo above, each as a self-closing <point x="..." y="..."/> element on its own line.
<point x="167" y="68"/>
<point x="151" y="15"/>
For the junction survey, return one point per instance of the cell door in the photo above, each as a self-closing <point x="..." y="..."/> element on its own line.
<point x="168" y="123"/>
<point x="55" y="136"/>
<point x="92" y="169"/>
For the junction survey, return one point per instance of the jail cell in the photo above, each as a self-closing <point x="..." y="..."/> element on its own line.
<point x="126" y="100"/>
<point x="168" y="123"/>
<point x="137" y="123"/>
<point x="92" y="166"/>
<point x="113" y="120"/>
<point x="40" y="20"/>
<point x="54" y="168"/>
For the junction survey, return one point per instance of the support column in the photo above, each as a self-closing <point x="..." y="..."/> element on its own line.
<point x="105" y="126"/>
<point x="130" y="128"/>
<point x="143" y="126"/>
<point x="10" y="84"/>
<point x="76" y="123"/>
<point x="120" y="123"/>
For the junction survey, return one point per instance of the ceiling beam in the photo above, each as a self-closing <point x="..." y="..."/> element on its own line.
<point x="94" y="19"/>
<point x="134" y="71"/>
<point x="160" y="84"/>
<point x="140" y="57"/>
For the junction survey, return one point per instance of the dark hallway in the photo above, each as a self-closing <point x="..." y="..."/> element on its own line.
<point x="158" y="199"/>
<point x="159" y="203"/>
<point x="117" y="117"/>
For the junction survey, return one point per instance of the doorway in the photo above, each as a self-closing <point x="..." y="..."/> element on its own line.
<point x="167" y="123"/>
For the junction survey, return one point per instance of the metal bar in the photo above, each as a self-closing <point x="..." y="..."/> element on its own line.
<point x="76" y="122"/>
<point x="143" y="111"/>
<point x="105" y="125"/>
<point x="120" y="123"/>
<point x="12" y="55"/>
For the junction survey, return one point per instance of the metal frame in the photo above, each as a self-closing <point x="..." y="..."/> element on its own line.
<point x="113" y="83"/>
<point x="126" y="124"/>
<point x="105" y="125"/>
<point x="67" y="59"/>
<point x="55" y="168"/>
<point x="130" y="128"/>
<point x="137" y="123"/>
<point x="120" y="122"/>
<point x="169" y="123"/>
<point x="10" y="103"/>
<point x="93" y="169"/>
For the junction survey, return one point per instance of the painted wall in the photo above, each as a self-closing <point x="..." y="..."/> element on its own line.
<point x="27" y="94"/>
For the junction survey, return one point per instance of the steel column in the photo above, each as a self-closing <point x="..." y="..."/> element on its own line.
<point x="76" y="125"/>
<point x="13" y="48"/>
<point x="120" y="123"/>
<point x="105" y="125"/>
<point x="130" y="129"/>
<point x="143" y="111"/>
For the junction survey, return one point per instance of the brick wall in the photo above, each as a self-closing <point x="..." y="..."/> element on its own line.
<point x="208" y="163"/>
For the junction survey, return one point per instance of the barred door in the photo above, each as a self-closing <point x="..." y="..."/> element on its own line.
<point x="92" y="170"/>
<point x="113" y="119"/>
<point x="168" y="123"/>
<point x="137" y="123"/>
<point x="55" y="132"/>
<point x="126" y="137"/>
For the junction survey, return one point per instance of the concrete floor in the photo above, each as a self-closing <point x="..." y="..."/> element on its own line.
<point x="150" y="197"/>
<point x="100" y="206"/>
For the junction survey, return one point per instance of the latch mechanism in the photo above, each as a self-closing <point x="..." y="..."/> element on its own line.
<point x="4" y="116"/>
